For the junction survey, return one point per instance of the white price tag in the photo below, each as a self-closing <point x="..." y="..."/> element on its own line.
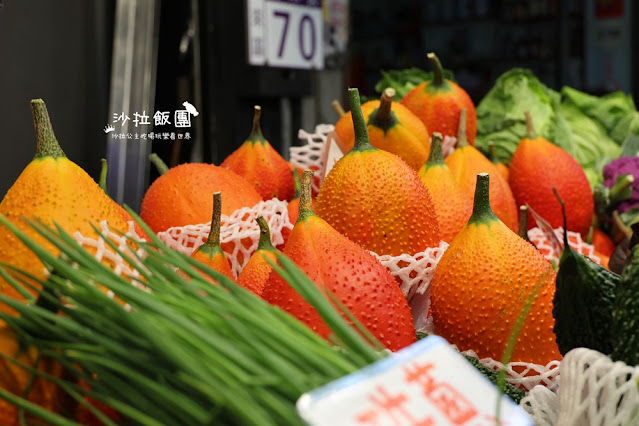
<point x="427" y="383"/>
<point x="285" y="33"/>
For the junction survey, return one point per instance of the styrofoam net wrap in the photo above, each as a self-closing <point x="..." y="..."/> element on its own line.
<point x="550" y="248"/>
<point x="104" y="253"/>
<point x="594" y="391"/>
<point x="525" y="375"/>
<point x="239" y="232"/>
<point x="448" y="145"/>
<point x="414" y="274"/>
<point x="310" y="156"/>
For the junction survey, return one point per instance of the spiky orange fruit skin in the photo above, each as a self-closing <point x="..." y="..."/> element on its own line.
<point x="466" y="163"/>
<point x="257" y="271"/>
<point x="408" y="138"/>
<point x="535" y="167"/>
<point x="503" y="170"/>
<point x="439" y="108"/>
<point x="53" y="190"/>
<point x="375" y="199"/>
<point x="216" y="260"/>
<point x="15" y="379"/>
<point x="358" y="280"/>
<point x="182" y="196"/>
<point x="452" y="206"/>
<point x="260" y="164"/>
<point x="480" y="286"/>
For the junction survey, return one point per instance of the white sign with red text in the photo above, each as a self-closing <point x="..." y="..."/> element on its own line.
<point x="428" y="383"/>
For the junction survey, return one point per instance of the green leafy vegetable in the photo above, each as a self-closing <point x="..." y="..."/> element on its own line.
<point x="405" y="80"/>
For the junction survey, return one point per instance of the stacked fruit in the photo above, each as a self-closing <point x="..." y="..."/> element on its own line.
<point x="392" y="193"/>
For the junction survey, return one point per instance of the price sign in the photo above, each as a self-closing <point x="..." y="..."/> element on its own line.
<point x="428" y="383"/>
<point x="285" y="33"/>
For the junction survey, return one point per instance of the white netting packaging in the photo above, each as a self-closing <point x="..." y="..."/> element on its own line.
<point x="551" y="247"/>
<point x="310" y="155"/>
<point x="594" y="391"/>
<point x="414" y="274"/>
<point x="239" y="232"/>
<point x="103" y="252"/>
<point x="525" y="375"/>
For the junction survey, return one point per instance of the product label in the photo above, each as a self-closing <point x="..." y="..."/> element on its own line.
<point x="427" y="383"/>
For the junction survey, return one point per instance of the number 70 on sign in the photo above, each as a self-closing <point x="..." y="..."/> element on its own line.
<point x="285" y="33"/>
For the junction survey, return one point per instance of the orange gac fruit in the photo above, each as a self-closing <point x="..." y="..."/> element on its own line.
<point x="466" y="162"/>
<point x="602" y="242"/>
<point x="53" y="189"/>
<point x="358" y="280"/>
<point x="210" y="253"/>
<point x="391" y="127"/>
<point x="452" y="206"/>
<point x="257" y="270"/>
<point x="538" y="165"/>
<point x="17" y="379"/>
<point x="182" y="195"/>
<point x="438" y="103"/>
<point x="377" y="200"/>
<point x="258" y="162"/>
<point x="484" y="281"/>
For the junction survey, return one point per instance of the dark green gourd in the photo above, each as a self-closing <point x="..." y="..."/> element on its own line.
<point x="625" y="314"/>
<point x="583" y="301"/>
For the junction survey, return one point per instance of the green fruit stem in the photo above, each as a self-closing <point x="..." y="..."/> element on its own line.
<point x="362" y="143"/>
<point x="523" y="223"/>
<point x="530" y="128"/>
<point x="385" y="104"/>
<point x="462" y="140"/>
<point x="47" y="144"/>
<point x="306" y="196"/>
<point x="438" y="74"/>
<point x="482" y="213"/>
<point x="256" y="131"/>
<point x="296" y="184"/>
<point x="214" y="234"/>
<point x="158" y="163"/>
<point x="103" y="175"/>
<point x="436" y="157"/>
<point x="565" y="220"/>
<point x="337" y="106"/>
<point x="265" y="235"/>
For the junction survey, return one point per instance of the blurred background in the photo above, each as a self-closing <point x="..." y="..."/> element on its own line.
<point x="117" y="63"/>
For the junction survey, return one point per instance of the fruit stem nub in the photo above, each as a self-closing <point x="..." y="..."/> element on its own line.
<point x="482" y="212"/>
<point x="523" y="223"/>
<point x="362" y="143"/>
<point x="47" y="144"/>
<point x="337" y="106"/>
<point x="158" y="163"/>
<point x="436" y="156"/>
<point x="214" y="234"/>
<point x="103" y="175"/>
<point x="385" y="103"/>
<point x="563" y="213"/>
<point x="530" y="128"/>
<point x="265" y="234"/>
<point x="438" y="75"/>
<point x="462" y="141"/>
<point x="306" y="196"/>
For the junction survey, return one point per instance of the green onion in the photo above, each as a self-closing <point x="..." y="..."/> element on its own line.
<point x="187" y="351"/>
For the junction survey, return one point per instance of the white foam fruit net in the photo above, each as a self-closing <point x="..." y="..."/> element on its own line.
<point x="594" y="391"/>
<point x="551" y="248"/>
<point x="239" y="232"/>
<point x="310" y="155"/>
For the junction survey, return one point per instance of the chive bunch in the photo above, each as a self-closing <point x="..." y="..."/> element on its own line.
<point x="186" y="352"/>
